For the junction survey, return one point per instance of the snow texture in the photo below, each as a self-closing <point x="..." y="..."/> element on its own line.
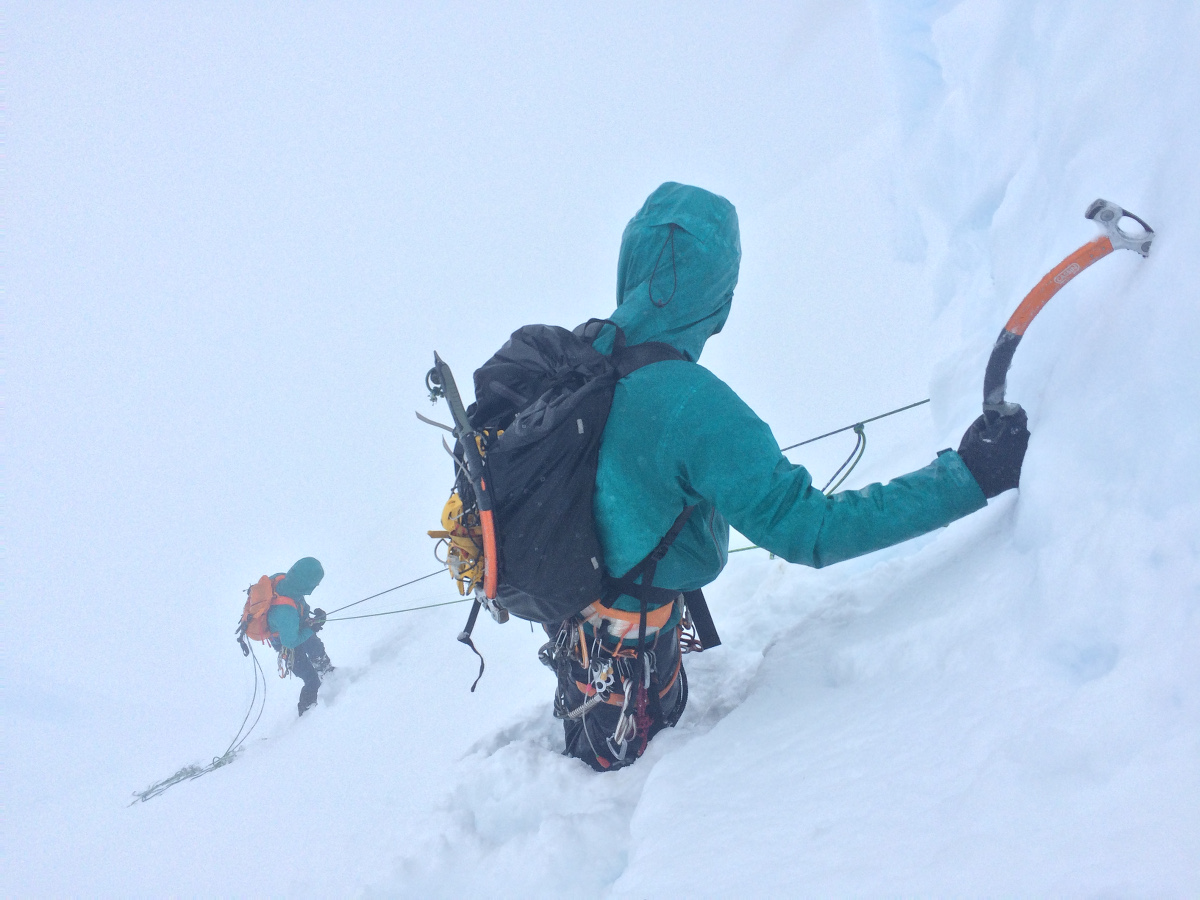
<point x="234" y="238"/>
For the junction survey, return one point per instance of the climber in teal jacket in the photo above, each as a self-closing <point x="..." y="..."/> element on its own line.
<point x="679" y="436"/>
<point x="295" y="625"/>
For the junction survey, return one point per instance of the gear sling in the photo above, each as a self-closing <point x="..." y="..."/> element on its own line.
<point x="526" y="457"/>
<point x="649" y="675"/>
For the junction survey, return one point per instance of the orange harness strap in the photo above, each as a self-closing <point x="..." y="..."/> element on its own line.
<point x="615" y="699"/>
<point x="621" y="624"/>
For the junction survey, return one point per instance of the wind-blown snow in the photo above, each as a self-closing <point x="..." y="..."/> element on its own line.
<point x="228" y="276"/>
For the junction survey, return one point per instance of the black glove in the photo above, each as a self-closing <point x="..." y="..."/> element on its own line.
<point x="994" y="452"/>
<point x="318" y="620"/>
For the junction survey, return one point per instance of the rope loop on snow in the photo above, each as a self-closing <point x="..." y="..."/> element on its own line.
<point x="190" y="773"/>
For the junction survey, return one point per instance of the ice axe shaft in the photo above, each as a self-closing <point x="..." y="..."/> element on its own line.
<point x="440" y="382"/>
<point x="1108" y="216"/>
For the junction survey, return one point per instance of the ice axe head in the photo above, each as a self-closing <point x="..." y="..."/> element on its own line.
<point x="1108" y="216"/>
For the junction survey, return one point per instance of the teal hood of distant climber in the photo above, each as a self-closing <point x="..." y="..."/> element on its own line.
<point x="678" y="436"/>
<point x="677" y="270"/>
<point x="301" y="579"/>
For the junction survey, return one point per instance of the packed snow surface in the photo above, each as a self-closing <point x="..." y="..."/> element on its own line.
<point x="234" y="241"/>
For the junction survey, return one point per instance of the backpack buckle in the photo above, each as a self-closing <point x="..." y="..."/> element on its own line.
<point x="492" y="605"/>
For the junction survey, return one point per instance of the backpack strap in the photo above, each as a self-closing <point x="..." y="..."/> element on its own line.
<point x="626" y="358"/>
<point x="278" y="599"/>
<point x="630" y="359"/>
<point x="645" y="591"/>
<point x="706" y="631"/>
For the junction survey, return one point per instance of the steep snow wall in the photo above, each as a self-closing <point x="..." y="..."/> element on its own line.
<point x="1015" y="706"/>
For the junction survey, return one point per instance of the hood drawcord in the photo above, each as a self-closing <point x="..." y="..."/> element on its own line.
<point x="670" y="239"/>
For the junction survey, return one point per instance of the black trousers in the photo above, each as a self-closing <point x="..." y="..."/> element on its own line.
<point x="588" y="735"/>
<point x="302" y="666"/>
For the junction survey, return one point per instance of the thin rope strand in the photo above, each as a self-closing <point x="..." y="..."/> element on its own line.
<point x="388" y="591"/>
<point x="392" y="612"/>
<point x="863" y="422"/>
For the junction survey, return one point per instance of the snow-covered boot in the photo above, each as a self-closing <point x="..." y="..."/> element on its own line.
<point x="322" y="664"/>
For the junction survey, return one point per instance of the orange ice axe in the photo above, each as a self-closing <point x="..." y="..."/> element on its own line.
<point x="1108" y="216"/>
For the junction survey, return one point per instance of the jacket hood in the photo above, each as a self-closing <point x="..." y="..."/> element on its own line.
<point x="301" y="579"/>
<point x="677" y="270"/>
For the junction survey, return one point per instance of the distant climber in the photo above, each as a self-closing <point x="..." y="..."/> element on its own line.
<point x="677" y="436"/>
<point x="277" y="610"/>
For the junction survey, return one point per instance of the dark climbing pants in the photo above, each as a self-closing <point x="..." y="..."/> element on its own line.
<point x="588" y="735"/>
<point x="302" y="667"/>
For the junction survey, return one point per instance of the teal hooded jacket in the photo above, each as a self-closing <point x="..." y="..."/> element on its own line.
<point x="677" y="435"/>
<point x="301" y="580"/>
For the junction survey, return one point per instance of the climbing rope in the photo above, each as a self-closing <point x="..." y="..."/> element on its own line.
<point x="190" y="773"/>
<point x="381" y="593"/>
<point x="259" y="698"/>
<point x="857" y="424"/>
<point x="860" y="447"/>
<point x="392" y="612"/>
<point x="856" y="455"/>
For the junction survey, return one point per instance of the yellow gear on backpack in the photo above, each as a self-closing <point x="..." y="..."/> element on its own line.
<point x="463" y="537"/>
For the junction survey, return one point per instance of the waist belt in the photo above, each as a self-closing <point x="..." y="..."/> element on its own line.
<point x="621" y="625"/>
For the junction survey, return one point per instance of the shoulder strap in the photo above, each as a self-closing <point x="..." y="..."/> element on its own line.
<point x="627" y="359"/>
<point x="277" y="599"/>
<point x="630" y="359"/>
<point x="646" y="591"/>
<point x="647" y="594"/>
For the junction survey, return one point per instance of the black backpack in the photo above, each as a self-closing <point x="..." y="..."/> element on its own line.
<point x="543" y="401"/>
<point x="526" y="477"/>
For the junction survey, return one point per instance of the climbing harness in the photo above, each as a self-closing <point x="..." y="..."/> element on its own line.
<point x="1108" y="216"/>
<point x="618" y="678"/>
<point x="190" y="773"/>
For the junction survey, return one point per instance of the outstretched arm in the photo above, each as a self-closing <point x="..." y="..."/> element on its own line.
<point x="729" y="456"/>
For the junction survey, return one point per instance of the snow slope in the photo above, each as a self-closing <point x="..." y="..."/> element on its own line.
<point x="1009" y="706"/>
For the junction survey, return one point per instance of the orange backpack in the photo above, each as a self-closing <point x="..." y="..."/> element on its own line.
<point x="261" y="597"/>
